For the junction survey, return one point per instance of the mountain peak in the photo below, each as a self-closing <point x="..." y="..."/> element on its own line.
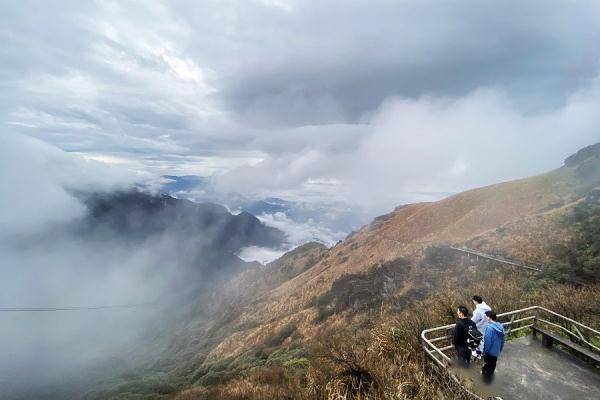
<point x="583" y="155"/>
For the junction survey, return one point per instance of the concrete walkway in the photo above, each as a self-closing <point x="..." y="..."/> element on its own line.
<point x="528" y="370"/>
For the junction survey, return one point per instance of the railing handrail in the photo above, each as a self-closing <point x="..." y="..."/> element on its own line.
<point x="494" y="258"/>
<point x="428" y="342"/>
<point x="579" y="324"/>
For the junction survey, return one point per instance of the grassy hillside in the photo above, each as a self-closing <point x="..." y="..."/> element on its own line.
<point x="321" y="323"/>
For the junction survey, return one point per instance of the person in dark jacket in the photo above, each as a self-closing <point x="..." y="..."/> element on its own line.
<point x="460" y="335"/>
<point x="493" y="343"/>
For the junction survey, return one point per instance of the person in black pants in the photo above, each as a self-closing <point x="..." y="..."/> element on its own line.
<point x="489" y="366"/>
<point x="459" y="336"/>
<point x="493" y="343"/>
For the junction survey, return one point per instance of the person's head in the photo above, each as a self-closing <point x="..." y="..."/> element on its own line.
<point x="491" y="316"/>
<point x="462" y="312"/>
<point x="477" y="299"/>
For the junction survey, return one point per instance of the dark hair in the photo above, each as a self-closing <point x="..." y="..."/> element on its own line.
<point x="491" y="315"/>
<point x="463" y="310"/>
<point x="478" y="299"/>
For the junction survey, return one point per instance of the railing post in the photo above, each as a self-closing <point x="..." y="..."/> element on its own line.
<point x="510" y="324"/>
<point x="579" y="335"/>
<point x="535" y="318"/>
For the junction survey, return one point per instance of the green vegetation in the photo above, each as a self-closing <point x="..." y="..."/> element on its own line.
<point x="310" y="261"/>
<point x="579" y="262"/>
<point x="281" y="335"/>
<point x="146" y="386"/>
<point x="439" y="257"/>
<point x="297" y="363"/>
<point x="291" y="358"/>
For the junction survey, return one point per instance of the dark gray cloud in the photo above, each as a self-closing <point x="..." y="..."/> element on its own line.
<point x="334" y="61"/>
<point x="168" y="87"/>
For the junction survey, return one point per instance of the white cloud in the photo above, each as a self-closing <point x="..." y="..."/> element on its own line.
<point x="36" y="180"/>
<point x="263" y="255"/>
<point x="374" y="96"/>
<point x="298" y="233"/>
<point x="433" y="144"/>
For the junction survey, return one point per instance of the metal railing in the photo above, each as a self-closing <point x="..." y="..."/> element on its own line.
<point x="498" y="259"/>
<point x="435" y="340"/>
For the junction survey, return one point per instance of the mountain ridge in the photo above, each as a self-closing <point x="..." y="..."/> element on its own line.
<point x="136" y="213"/>
<point x="528" y="208"/>
<point x="268" y="314"/>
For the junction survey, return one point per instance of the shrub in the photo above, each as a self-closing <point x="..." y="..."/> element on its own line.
<point x="279" y="337"/>
<point x="215" y="378"/>
<point x="323" y="312"/>
<point x="579" y="263"/>
<point x="297" y="363"/>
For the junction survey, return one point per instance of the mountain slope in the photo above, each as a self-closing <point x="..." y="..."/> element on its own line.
<point x="518" y="218"/>
<point x="267" y="315"/>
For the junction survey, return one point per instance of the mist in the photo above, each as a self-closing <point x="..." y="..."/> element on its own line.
<point x="411" y="150"/>
<point x="285" y="97"/>
<point x="54" y="254"/>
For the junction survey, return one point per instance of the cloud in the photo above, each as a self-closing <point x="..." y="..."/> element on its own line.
<point x="42" y="265"/>
<point x="37" y="182"/>
<point x="263" y="255"/>
<point x="60" y="354"/>
<point x="301" y="232"/>
<point x="366" y="102"/>
<point x="51" y="259"/>
<point x="432" y="144"/>
<point x="179" y="79"/>
<point x="332" y="62"/>
<point x="297" y="233"/>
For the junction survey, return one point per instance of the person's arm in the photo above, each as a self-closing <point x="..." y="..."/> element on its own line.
<point x="455" y="333"/>
<point x="459" y="333"/>
<point x="477" y="317"/>
<point x="487" y="340"/>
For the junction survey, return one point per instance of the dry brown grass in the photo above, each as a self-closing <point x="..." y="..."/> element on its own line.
<point x="386" y="361"/>
<point x="383" y="358"/>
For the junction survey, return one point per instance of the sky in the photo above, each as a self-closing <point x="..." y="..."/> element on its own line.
<point x="375" y="103"/>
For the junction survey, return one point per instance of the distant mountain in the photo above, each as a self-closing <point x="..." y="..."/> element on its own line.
<point x="192" y="246"/>
<point x="206" y="232"/>
<point x="267" y="206"/>
<point x="139" y="214"/>
<point x="328" y="221"/>
<point x="586" y="163"/>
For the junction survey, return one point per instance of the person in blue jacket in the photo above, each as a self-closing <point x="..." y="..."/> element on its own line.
<point x="493" y="342"/>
